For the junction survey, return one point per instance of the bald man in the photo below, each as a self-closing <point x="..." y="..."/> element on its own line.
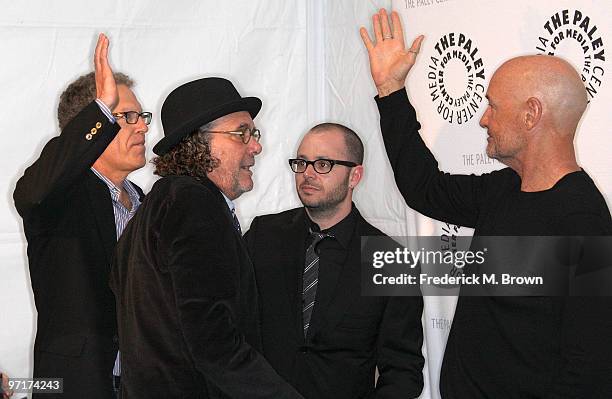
<point x="507" y="347"/>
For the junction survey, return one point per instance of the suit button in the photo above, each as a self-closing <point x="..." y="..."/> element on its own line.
<point x="88" y="136"/>
<point x="98" y="125"/>
<point x="94" y="130"/>
<point x="115" y="339"/>
<point x="303" y="349"/>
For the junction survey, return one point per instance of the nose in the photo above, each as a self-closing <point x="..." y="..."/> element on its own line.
<point x="484" y="120"/>
<point x="309" y="172"/>
<point x="254" y="147"/>
<point x="141" y="126"/>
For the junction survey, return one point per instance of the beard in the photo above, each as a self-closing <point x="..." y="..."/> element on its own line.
<point x="232" y="182"/>
<point x="504" y="147"/>
<point x="328" y="203"/>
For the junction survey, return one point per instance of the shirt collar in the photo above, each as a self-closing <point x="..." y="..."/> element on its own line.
<point x="341" y="231"/>
<point x="229" y="203"/>
<point x="115" y="191"/>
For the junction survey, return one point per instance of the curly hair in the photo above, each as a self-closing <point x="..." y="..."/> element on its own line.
<point x="190" y="157"/>
<point x="81" y="92"/>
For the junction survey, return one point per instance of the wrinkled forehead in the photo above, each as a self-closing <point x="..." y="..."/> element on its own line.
<point x="327" y="143"/>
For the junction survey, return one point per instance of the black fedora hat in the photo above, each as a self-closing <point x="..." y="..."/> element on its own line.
<point x="196" y="103"/>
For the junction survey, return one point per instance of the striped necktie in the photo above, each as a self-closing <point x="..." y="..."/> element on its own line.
<point x="310" y="278"/>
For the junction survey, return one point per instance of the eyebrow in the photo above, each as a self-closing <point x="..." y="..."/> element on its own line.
<point x="127" y="109"/>
<point x="244" y="125"/>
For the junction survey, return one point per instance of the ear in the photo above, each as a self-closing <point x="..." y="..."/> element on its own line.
<point x="533" y="112"/>
<point x="356" y="175"/>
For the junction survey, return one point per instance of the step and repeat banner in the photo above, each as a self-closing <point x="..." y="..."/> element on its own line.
<point x="465" y="42"/>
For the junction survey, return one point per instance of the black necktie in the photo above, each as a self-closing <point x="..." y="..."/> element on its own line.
<point x="311" y="278"/>
<point x="236" y="222"/>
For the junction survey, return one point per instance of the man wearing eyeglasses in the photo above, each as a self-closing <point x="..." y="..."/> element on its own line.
<point x="185" y="287"/>
<point x="318" y="332"/>
<point x="75" y="200"/>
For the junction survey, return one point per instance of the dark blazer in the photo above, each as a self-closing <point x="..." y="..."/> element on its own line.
<point x="187" y="300"/>
<point x="69" y="223"/>
<point x="349" y="334"/>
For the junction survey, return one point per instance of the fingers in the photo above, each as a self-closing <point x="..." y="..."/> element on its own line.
<point x="381" y="27"/>
<point x="398" y="33"/>
<point x="97" y="65"/>
<point x="384" y="22"/>
<point x="106" y="88"/>
<point x="104" y="52"/>
<point x="416" y="44"/>
<point x="366" y="39"/>
<point x="101" y="53"/>
<point x="377" y="28"/>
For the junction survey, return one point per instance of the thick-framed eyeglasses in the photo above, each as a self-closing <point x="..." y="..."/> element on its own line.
<point x="131" y="117"/>
<point x="245" y="134"/>
<point x="321" y="166"/>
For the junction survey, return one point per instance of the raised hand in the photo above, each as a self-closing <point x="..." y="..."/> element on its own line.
<point x="390" y="61"/>
<point x="106" y="88"/>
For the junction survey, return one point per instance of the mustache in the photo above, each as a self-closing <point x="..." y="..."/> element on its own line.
<point x="309" y="183"/>
<point x="249" y="162"/>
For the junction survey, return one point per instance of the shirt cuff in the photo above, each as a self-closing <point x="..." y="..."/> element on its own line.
<point x="106" y="111"/>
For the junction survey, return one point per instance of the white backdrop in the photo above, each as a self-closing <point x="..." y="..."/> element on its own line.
<point x="305" y="61"/>
<point x="276" y="49"/>
<point x="479" y="36"/>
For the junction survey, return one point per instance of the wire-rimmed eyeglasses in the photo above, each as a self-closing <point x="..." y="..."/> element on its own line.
<point x="245" y="134"/>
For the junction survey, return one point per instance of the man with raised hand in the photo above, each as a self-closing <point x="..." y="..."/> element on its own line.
<point x="75" y="200"/>
<point x="318" y="331"/>
<point x="507" y="347"/>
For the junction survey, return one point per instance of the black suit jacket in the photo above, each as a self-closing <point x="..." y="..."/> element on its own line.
<point x="349" y="334"/>
<point x="69" y="223"/>
<point x="187" y="300"/>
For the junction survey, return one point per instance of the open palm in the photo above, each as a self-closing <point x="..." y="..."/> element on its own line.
<point x="390" y="61"/>
<point x="106" y="88"/>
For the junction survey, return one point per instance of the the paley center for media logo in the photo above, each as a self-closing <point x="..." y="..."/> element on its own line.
<point x="575" y="36"/>
<point x="456" y="78"/>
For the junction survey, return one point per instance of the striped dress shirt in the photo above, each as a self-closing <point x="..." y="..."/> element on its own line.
<point x="122" y="217"/>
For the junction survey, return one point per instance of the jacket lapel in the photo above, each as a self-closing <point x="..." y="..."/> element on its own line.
<point x="102" y="208"/>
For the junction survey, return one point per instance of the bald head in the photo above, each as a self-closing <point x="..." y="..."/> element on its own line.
<point x="535" y="104"/>
<point x="353" y="144"/>
<point x="552" y="81"/>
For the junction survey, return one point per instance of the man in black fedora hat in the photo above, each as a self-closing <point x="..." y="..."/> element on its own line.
<point x="186" y="294"/>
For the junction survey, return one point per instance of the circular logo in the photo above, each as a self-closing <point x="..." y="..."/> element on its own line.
<point x="574" y="36"/>
<point x="456" y="78"/>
